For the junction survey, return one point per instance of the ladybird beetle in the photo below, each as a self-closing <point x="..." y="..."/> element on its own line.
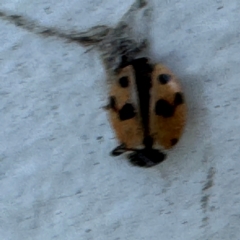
<point x="147" y="111"/>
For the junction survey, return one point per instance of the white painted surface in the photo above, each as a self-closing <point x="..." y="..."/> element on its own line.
<point x="57" y="179"/>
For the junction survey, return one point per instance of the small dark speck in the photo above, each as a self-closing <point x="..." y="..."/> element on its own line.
<point x="78" y="192"/>
<point x="210" y="177"/>
<point x="226" y="105"/>
<point x="15" y="47"/>
<point x="161" y="211"/>
<point x="54" y="107"/>
<point x="217" y="106"/>
<point x="219" y="8"/>
<point x="205" y="219"/>
<point x="208" y="185"/>
<point x="96" y="163"/>
<point x="168" y="212"/>
<point x="204" y="201"/>
<point x="88" y="230"/>
<point x="184" y="222"/>
<point x="189" y="31"/>
<point x="212" y="208"/>
<point x="2" y="158"/>
<point x="142" y="3"/>
<point x="91" y="152"/>
<point x="84" y="137"/>
<point x="100" y="137"/>
<point x="19" y="64"/>
<point x="4" y="93"/>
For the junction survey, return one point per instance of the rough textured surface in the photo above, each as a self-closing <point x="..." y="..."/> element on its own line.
<point x="57" y="179"/>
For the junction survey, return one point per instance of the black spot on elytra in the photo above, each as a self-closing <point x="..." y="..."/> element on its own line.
<point x="164" y="78"/>
<point x="174" y="141"/>
<point x="124" y="82"/>
<point x="127" y="112"/>
<point x="164" y="108"/>
<point x="112" y="102"/>
<point x="179" y="99"/>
